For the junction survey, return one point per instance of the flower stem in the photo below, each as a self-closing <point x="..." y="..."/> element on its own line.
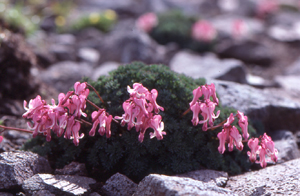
<point x="216" y="126"/>
<point x="95" y="92"/>
<point x="83" y="121"/>
<point x="90" y="102"/>
<point x="184" y="113"/>
<point x="16" y="129"/>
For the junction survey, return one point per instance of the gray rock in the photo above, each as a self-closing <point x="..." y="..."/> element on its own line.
<point x="119" y="185"/>
<point x="127" y="46"/>
<point x="282" y="179"/>
<point x="290" y="83"/>
<point x="89" y="38"/>
<point x="63" y="52"/>
<point x="104" y="69"/>
<point x="282" y="135"/>
<point x="286" y="144"/>
<point x="212" y="177"/>
<point x="6" y="194"/>
<point x="248" y="51"/>
<point x="293" y="69"/>
<point x="73" y="168"/>
<point x="239" y="7"/>
<point x="89" y="55"/>
<point x="43" y="192"/>
<point x="155" y="184"/>
<point x="94" y="194"/>
<point x="63" y="75"/>
<point x="64" y="39"/>
<point x="11" y="107"/>
<point x="58" y="184"/>
<point x="285" y="34"/>
<point x="274" y="108"/>
<point x="208" y="66"/>
<point x="15" y="167"/>
<point x="260" y="82"/>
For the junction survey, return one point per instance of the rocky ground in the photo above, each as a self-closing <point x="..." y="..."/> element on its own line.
<point x="258" y="74"/>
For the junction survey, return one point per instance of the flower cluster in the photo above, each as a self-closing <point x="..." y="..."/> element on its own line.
<point x="141" y="111"/>
<point x="147" y="22"/>
<point x="203" y="31"/>
<point x="205" y="107"/>
<point x="266" y="147"/>
<point x="231" y="135"/>
<point x="63" y="118"/>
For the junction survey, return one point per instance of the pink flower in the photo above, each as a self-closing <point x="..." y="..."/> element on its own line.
<point x="203" y="31"/>
<point x="235" y="139"/>
<point x="139" y="112"/>
<point x="231" y="135"/>
<point x="197" y="94"/>
<point x="262" y="157"/>
<point x="222" y="138"/>
<point x="152" y="98"/>
<point x="243" y="122"/>
<point x="196" y="110"/>
<point x="229" y="121"/>
<point x="210" y="91"/>
<point x="147" y="22"/>
<point x="158" y="126"/>
<point x="269" y="146"/>
<point x="266" y="147"/>
<point x="253" y="145"/>
<point x="80" y="89"/>
<point x="207" y="111"/>
<point x="100" y="117"/>
<point x="33" y="106"/>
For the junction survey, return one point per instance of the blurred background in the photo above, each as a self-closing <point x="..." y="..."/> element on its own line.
<point x="47" y="45"/>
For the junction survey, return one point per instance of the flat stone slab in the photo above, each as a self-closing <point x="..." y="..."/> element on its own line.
<point x="282" y="179"/>
<point x="155" y="184"/>
<point x="58" y="184"/>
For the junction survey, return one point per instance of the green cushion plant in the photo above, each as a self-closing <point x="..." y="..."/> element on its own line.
<point x="184" y="148"/>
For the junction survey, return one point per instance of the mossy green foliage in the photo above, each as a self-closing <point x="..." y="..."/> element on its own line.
<point x="102" y="21"/>
<point x="15" y="20"/>
<point x="184" y="148"/>
<point x="175" y="27"/>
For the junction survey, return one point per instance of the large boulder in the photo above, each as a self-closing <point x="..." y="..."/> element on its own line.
<point x="275" y="109"/>
<point x="208" y="66"/>
<point x="155" y="184"/>
<point x="15" y="167"/>
<point x="282" y="179"/>
<point x="63" y="75"/>
<point x="119" y="185"/>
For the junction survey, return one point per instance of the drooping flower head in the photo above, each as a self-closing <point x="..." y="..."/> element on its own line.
<point x="204" y="107"/>
<point x="243" y="123"/>
<point x="266" y="148"/>
<point x="62" y="118"/>
<point x="231" y="135"/>
<point x="140" y="110"/>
